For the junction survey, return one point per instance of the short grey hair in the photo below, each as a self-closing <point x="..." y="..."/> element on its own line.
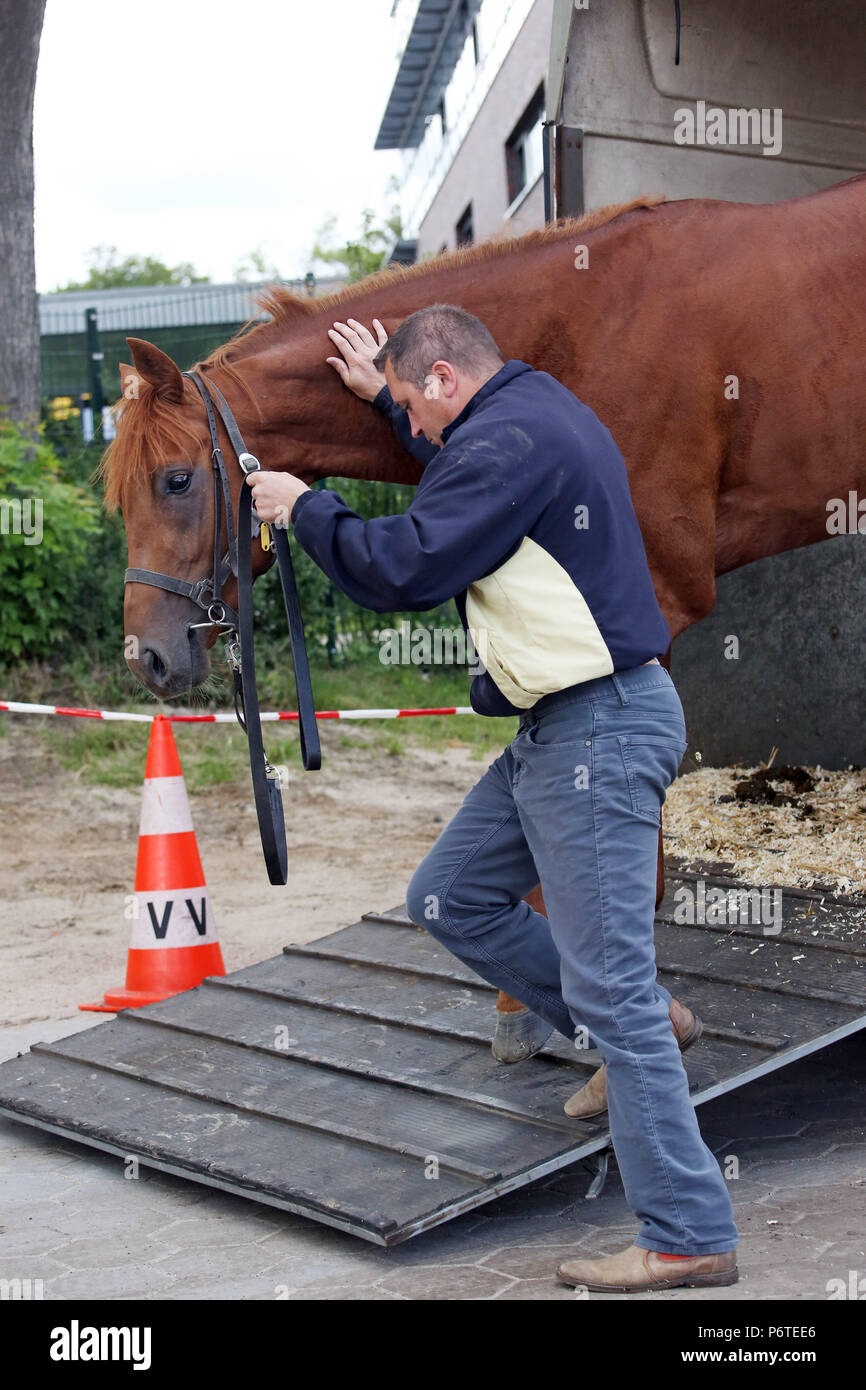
<point x="441" y="332"/>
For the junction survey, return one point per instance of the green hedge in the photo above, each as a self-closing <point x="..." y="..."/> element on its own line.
<point x="49" y="526"/>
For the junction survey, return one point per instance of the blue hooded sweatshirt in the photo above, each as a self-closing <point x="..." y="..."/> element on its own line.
<point x="524" y="517"/>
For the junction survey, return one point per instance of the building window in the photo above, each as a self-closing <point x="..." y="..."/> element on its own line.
<point x="524" y="148"/>
<point x="463" y="231"/>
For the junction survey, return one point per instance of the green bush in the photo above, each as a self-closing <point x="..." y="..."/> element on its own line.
<point x="46" y="525"/>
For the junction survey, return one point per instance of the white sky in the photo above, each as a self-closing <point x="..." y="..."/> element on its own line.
<point x="284" y="99"/>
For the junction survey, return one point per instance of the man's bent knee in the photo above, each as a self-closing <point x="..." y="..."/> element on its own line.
<point x="423" y="901"/>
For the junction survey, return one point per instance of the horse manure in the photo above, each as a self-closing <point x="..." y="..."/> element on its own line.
<point x="759" y="787"/>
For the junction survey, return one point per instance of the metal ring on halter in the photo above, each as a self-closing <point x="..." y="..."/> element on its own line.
<point x="213" y="620"/>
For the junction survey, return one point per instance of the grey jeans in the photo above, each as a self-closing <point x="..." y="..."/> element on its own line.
<point x="574" y="803"/>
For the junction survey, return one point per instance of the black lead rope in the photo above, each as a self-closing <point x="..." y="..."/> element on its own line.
<point x="311" y="753"/>
<point x="266" y="785"/>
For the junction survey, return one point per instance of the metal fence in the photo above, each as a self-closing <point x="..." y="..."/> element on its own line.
<point x="83" y="333"/>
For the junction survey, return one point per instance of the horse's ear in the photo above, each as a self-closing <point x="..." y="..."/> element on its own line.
<point x="157" y="368"/>
<point x="130" y="382"/>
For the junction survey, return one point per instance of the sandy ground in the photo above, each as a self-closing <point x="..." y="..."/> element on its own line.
<point x="356" y="831"/>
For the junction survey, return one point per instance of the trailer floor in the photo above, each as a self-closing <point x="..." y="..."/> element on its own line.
<point x="351" y="1080"/>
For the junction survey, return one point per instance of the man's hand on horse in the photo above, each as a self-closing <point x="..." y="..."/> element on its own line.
<point x="359" y="347"/>
<point x="274" y="495"/>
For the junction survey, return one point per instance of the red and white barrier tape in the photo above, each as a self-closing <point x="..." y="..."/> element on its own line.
<point x="227" y="717"/>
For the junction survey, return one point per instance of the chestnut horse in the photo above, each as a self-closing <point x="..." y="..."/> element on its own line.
<point x="723" y="344"/>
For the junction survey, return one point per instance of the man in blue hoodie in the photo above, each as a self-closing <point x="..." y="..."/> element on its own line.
<point x="524" y="516"/>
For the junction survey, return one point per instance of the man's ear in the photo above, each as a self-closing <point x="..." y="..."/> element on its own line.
<point x="157" y="369"/>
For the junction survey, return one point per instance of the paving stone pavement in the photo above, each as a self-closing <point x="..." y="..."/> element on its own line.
<point x="793" y="1145"/>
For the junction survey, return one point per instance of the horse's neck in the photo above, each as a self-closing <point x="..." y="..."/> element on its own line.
<point x="311" y="423"/>
<point x="307" y="422"/>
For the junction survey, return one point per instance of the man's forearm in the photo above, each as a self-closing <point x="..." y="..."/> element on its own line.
<point x="377" y="564"/>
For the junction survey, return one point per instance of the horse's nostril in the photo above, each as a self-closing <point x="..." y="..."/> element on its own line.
<point x="155" y="664"/>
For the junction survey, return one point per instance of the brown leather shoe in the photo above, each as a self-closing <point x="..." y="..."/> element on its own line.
<point x="636" y="1268"/>
<point x="591" y="1099"/>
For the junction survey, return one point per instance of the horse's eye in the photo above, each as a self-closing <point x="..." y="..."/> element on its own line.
<point x="179" y="482"/>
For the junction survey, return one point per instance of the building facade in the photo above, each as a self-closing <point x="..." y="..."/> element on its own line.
<point x="466" y="111"/>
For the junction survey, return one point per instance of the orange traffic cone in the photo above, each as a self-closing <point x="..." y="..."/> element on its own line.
<point x="173" y="944"/>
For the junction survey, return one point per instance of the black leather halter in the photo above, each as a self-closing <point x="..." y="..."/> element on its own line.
<point x="207" y="594"/>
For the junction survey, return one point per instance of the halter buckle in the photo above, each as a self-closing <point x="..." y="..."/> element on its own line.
<point x="249" y="463"/>
<point x="198" y="589"/>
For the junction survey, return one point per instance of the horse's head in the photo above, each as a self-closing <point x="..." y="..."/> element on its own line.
<point x="158" y="470"/>
<point x="293" y="413"/>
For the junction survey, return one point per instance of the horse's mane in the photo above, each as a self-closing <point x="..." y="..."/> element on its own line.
<point x="285" y="307"/>
<point x="148" y="428"/>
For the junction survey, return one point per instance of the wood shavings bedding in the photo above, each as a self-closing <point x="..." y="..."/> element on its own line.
<point x="820" y="841"/>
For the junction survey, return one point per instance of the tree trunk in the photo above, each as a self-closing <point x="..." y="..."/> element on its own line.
<point x="20" y="32"/>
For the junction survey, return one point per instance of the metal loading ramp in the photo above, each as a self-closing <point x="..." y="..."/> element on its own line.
<point x="332" y="1080"/>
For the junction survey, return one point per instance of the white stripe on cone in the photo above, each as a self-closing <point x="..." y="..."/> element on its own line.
<point x="174" y="917"/>
<point x="164" y="807"/>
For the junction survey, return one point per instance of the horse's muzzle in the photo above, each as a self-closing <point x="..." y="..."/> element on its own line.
<point x="170" y="668"/>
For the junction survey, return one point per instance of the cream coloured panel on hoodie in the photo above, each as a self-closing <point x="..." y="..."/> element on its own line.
<point x="532" y="627"/>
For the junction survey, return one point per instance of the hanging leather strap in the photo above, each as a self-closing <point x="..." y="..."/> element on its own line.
<point x="266" y="785"/>
<point x="311" y="754"/>
<point x="308" y="729"/>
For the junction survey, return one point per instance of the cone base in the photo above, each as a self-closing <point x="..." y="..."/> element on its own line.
<point x="114" y="1000"/>
<point x="155" y="975"/>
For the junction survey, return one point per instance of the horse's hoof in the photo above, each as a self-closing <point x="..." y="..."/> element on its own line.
<point x="519" y="1035"/>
